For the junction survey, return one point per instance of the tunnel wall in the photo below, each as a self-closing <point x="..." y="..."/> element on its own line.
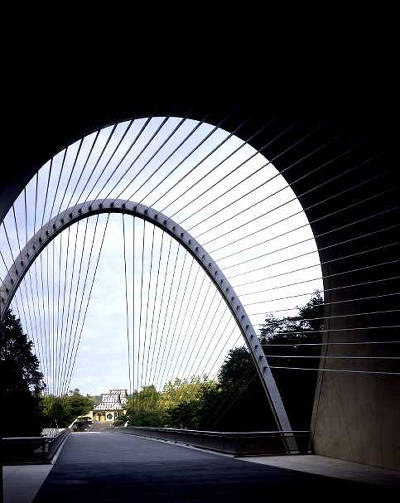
<point x="352" y="206"/>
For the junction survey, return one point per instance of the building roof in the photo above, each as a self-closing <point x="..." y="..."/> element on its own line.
<point x="114" y="400"/>
<point x="108" y="406"/>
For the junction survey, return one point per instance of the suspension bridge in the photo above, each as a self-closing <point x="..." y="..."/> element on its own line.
<point x="209" y="225"/>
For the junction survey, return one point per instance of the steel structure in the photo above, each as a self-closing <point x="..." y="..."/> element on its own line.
<point x="72" y="215"/>
<point x="346" y="188"/>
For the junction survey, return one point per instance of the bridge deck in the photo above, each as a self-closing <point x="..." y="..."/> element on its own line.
<point x="114" y="467"/>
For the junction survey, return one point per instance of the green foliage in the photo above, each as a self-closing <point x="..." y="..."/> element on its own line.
<point x="121" y="420"/>
<point x="79" y="405"/>
<point x="21" y="380"/>
<point x="61" y="411"/>
<point x="185" y="401"/>
<point x="305" y="327"/>
<point x="145" y="409"/>
<point x="237" y="402"/>
<point x="241" y="404"/>
<point x="179" y="405"/>
<point x="236" y="365"/>
<point x="297" y="387"/>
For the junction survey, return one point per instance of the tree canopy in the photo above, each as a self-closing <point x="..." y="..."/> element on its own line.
<point x="236" y="400"/>
<point x="181" y="404"/>
<point x="245" y="405"/>
<point x="61" y="411"/>
<point x="21" y="380"/>
<point x="28" y="408"/>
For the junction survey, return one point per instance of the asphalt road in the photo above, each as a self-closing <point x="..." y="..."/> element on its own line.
<point x="115" y="467"/>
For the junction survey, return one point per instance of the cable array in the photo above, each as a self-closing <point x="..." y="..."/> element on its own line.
<point x="248" y="215"/>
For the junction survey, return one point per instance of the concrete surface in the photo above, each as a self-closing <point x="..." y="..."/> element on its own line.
<point x="330" y="467"/>
<point x="21" y="483"/>
<point x="114" y="467"/>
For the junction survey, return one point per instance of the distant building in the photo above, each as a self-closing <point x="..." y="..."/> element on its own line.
<point x="112" y="405"/>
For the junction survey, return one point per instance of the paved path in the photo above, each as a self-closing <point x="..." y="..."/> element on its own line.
<point x="22" y="482"/>
<point x="331" y="467"/>
<point x="115" y="467"/>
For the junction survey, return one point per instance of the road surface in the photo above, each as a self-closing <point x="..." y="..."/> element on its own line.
<point x="116" y="467"/>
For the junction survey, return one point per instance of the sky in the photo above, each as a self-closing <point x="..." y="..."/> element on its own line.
<point x="136" y="331"/>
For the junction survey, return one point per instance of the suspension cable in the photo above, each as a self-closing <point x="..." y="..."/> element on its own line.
<point x="268" y="163"/>
<point x="88" y="301"/>
<point x="314" y="205"/>
<point x="193" y="130"/>
<point x="294" y="199"/>
<point x="126" y="304"/>
<point x="182" y="161"/>
<point x="177" y="127"/>
<point x="337" y="259"/>
<point x="151" y="325"/>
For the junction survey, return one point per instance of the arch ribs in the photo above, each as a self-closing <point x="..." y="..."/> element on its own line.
<point x="84" y="210"/>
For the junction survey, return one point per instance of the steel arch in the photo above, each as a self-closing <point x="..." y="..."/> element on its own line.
<point x="57" y="224"/>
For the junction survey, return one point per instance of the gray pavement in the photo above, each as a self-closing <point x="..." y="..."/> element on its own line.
<point x="106" y="467"/>
<point x="330" y="467"/>
<point x="21" y="483"/>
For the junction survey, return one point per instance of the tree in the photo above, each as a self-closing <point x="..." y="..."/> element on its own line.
<point x="241" y="404"/>
<point x="181" y="404"/>
<point x="78" y="405"/>
<point x="21" y="380"/>
<point x="297" y="387"/>
<point x="61" y="411"/>
<point x="186" y="401"/>
<point x="237" y="401"/>
<point x="145" y="409"/>
<point x="55" y="411"/>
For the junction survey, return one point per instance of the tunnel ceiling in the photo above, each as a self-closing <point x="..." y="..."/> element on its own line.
<point x="62" y="113"/>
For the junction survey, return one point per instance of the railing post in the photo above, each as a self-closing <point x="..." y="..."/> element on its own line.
<point x="44" y="453"/>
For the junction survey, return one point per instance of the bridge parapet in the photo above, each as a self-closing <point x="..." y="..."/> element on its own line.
<point x="31" y="450"/>
<point x="236" y="443"/>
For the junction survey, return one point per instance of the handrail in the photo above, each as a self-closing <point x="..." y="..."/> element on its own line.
<point x="31" y="450"/>
<point x="238" y="443"/>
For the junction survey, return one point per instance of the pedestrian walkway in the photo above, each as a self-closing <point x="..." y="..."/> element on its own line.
<point x="100" y="467"/>
<point x="330" y="467"/>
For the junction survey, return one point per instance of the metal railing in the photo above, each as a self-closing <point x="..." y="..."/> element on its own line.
<point x="237" y="443"/>
<point x="31" y="450"/>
